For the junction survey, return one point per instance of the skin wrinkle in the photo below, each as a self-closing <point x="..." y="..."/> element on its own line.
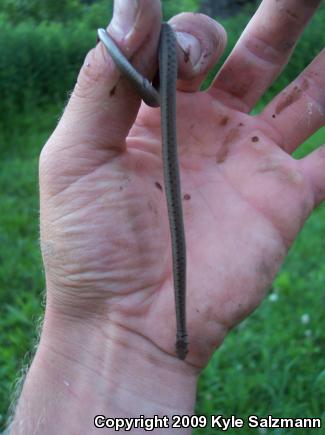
<point x="286" y="242"/>
<point x="131" y="219"/>
<point x="150" y="356"/>
<point x="235" y="88"/>
<point x="82" y="177"/>
<point x="140" y="304"/>
<point x="223" y="93"/>
<point x="271" y="129"/>
<point x="293" y="176"/>
<point x="263" y="51"/>
<point x="66" y="216"/>
<point x="286" y="18"/>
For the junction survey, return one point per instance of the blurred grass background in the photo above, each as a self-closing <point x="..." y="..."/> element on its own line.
<point x="274" y="362"/>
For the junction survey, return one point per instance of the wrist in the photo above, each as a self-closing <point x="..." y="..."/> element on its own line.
<point x="82" y="370"/>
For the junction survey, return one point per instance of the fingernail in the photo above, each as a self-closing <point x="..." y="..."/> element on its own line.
<point x="190" y="46"/>
<point x="124" y="17"/>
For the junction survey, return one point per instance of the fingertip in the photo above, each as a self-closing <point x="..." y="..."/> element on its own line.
<point x="201" y="42"/>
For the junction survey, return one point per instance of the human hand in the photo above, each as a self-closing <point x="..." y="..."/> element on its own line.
<point x="104" y="226"/>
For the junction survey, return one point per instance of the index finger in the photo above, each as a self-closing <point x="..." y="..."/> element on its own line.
<point x="262" y="52"/>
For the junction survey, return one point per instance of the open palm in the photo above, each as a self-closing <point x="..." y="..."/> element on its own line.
<point x="104" y="224"/>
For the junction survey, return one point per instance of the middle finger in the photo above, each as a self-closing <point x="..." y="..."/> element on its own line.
<point x="261" y="52"/>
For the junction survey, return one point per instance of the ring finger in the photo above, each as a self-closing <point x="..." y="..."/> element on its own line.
<point x="299" y="110"/>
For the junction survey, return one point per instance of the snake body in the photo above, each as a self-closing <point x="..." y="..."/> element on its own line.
<point x="166" y="98"/>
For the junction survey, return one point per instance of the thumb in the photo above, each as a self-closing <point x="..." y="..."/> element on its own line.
<point x="103" y="105"/>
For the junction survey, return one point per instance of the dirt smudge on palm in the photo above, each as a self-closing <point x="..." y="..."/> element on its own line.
<point x="291" y="97"/>
<point x="223" y="151"/>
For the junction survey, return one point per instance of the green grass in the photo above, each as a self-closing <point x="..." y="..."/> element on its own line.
<point x="273" y="363"/>
<point x="21" y="276"/>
